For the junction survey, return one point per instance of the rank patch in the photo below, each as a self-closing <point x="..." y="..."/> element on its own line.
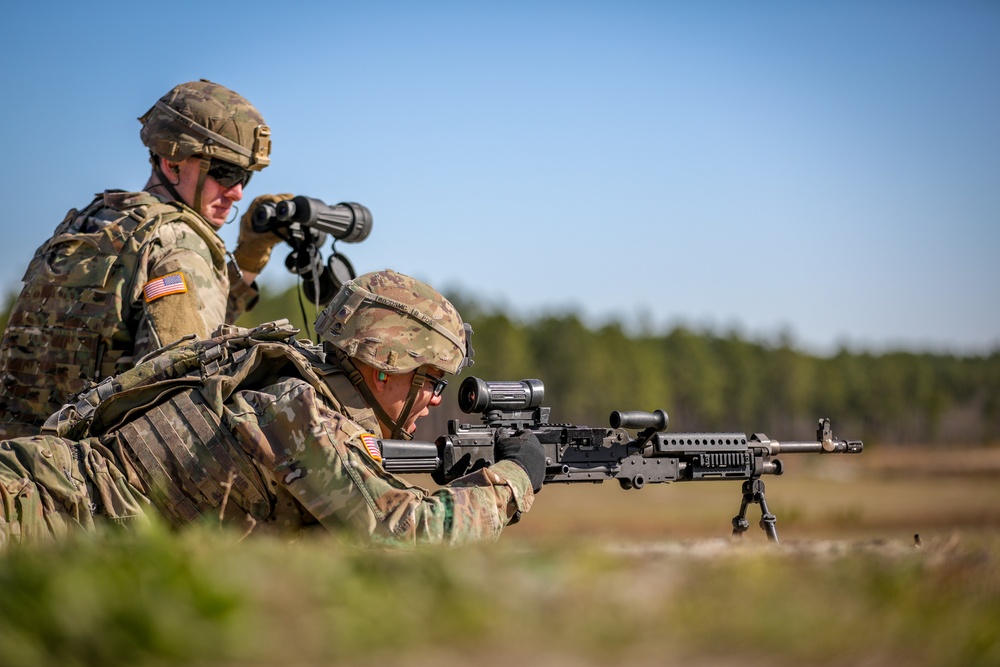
<point x="371" y="444"/>
<point x="172" y="283"/>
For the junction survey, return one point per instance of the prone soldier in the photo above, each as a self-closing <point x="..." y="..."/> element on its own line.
<point x="252" y="423"/>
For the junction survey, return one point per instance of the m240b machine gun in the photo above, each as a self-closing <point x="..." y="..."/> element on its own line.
<point x="588" y="454"/>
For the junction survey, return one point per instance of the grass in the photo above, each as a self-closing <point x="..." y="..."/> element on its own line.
<point x="592" y="576"/>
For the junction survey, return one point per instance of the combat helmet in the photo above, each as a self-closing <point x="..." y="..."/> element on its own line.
<point x="204" y="118"/>
<point x="396" y="324"/>
<point x="211" y="122"/>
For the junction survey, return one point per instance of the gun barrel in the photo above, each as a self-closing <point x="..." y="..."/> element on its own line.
<point x="825" y="447"/>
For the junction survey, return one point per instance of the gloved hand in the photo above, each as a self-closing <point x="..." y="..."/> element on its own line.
<point x="524" y="449"/>
<point x="253" y="249"/>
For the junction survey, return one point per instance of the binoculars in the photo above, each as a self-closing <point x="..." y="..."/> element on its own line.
<point x="304" y="223"/>
<point x="347" y="221"/>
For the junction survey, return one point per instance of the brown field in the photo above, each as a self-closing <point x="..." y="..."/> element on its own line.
<point x="885" y="493"/>
<point x="592" y="576"/>
<point x="848" y="585"/>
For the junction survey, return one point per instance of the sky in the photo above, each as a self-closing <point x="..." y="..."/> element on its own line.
<point x="827" y="173"/>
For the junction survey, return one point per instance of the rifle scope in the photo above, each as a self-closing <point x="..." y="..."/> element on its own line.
<point x="475" y="395"/>
<point x="348" y="221"/>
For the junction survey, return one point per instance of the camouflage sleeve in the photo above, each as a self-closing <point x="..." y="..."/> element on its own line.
<point x="51" y="487"/>
<point x="321" y="459"/>
<point x="182" y="291"/>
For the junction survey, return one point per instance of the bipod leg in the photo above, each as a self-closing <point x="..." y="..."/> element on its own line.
<point x="753" y="492"/>
<point x="740" y="523"/>
<point x="767" y="520"/>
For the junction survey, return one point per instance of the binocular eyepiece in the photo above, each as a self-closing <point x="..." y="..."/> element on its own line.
<point x="348" y="221"/>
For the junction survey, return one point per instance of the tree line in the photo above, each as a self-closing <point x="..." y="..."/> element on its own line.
<point x="713" y="381"/>
<point x="719" y="381"/>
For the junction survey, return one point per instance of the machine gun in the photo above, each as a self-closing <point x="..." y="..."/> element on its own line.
<point x="586" y="454"/>
<point x="304" y="223"/>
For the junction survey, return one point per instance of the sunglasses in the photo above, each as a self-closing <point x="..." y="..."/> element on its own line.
<point x="437" y="384"/>
<point x="227" y="175"/>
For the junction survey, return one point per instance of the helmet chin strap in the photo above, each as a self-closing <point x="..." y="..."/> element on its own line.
<point x="396" y="426"/>
<point x="404" y="414"/>
<point x="204" y="164"/>
<point x="162" y="177"/>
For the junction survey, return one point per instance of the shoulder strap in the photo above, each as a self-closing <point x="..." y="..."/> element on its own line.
<point x="185" y="363"/>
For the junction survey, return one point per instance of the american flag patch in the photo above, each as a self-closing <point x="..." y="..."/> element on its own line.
<point x="371" y="444"/>
<point x="172" y="283"/>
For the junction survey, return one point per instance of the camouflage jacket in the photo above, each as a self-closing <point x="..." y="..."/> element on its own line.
<point x="252" y="426"/>
<point x="124" y="276"/>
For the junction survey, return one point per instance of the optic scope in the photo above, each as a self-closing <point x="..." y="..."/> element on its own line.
<point x="475" y="395"/>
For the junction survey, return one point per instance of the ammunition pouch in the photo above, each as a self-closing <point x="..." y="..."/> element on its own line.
<point x="188" y="463"/>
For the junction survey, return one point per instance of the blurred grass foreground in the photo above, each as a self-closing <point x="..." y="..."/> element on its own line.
<point x="598" y="576"/>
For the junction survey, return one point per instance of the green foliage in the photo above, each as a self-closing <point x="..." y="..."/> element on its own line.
<point x="204" y="598"/>
<point x="130" y="599"/>
<point x="916" y="609"/>
<point x="706" y="381"/>
<point x="8" y="302"/>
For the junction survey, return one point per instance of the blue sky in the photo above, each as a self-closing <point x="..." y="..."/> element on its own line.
<point x="830" y="171"/>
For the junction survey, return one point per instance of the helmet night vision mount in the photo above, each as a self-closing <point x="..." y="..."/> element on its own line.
<point x="304" y="223"/>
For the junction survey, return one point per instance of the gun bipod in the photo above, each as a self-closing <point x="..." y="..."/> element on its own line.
<point x="753" y="492"/>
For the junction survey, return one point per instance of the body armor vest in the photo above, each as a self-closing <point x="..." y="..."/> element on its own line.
<point x="75" y="321"/>
<point x="166" y="420"/>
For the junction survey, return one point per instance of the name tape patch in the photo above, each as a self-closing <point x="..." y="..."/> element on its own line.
<point x="172" y="283"/>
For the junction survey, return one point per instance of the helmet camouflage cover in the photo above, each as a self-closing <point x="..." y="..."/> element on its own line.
<point x="204" y="118"/>
<point x="396" y="324"/>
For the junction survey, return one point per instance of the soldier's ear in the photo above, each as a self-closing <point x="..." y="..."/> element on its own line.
<point x="168" y="167"/>
<point x="376" y="380"/>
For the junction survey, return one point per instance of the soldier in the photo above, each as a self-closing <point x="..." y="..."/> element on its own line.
<point x="133" y="271"/>
<point x="285" y="434"/>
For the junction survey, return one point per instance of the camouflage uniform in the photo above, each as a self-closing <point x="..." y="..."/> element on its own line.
<point x="131" y="271"/>
<point x="82" y="314"/>
<point x="271" y="428"/>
